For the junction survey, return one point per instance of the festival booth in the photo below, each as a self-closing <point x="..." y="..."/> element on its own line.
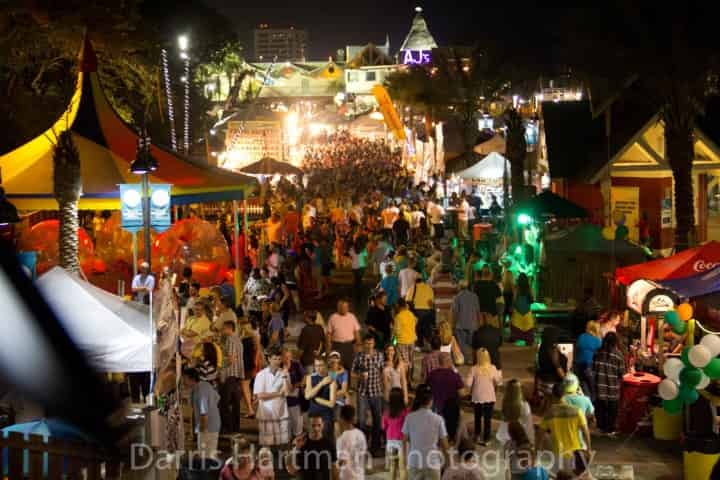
<point x="107" y="147"/>
<point x="485" y="178"/>
<point x="114" y="334"/>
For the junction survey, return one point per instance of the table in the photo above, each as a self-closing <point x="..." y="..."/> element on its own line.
<point x="637" y="389"/>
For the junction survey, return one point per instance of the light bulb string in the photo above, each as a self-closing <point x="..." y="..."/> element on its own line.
<point x="168" y="95"/>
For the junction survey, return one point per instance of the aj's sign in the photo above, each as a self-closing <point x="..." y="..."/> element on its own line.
<point x="416" y="57"/>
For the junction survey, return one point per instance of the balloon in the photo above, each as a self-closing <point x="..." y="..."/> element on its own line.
<point x="712" y="342"/>
<point x="712" y="369"/>
<point x="684" y="311"/>
<point x="43" y="239"/>
<point x="680" y="328"/>
<point x="690" y="377"/>
<point x="672" y="407"/>
<point x="703" y="383"/>
<point x="672" y="368"/>
<point x="618" y="218"/>
<point x="668" y="389"/>
<point x="685" y="356"/>
<point x="608" y="233"/>
<point x="699" y="356"/>
<point x="672" y="317"/>
<point x="621" y="232"/>
<point x="688" y="394"/>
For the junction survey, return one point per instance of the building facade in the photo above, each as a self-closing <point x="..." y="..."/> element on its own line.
<point x="282" y="44"/>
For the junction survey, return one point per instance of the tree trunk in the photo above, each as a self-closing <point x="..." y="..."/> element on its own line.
<point x="679" y="141"/>
<point x="69" y="257"/>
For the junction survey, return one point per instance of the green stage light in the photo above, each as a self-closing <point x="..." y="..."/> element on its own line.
<point x="524" y="219"/>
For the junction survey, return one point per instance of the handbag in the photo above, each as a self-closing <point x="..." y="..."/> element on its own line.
<point x="456" y="353"/>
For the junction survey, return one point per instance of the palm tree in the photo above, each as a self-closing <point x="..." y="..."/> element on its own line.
<point x="515" y="151"/>
<point x="67" y="186"/>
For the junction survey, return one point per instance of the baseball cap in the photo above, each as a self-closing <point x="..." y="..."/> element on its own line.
<point x="571" y="383"/>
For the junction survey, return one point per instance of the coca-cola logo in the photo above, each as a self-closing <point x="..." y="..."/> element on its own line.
<point x="701" y="265"/>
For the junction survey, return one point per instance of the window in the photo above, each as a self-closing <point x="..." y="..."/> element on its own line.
<point x="353" y="77"/>
<point x="370" y="76"/>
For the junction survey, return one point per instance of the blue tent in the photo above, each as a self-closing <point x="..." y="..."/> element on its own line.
<point x="696" y="286"/>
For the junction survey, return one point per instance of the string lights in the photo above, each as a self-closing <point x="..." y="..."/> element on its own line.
<point x="183" y="43"/>
<point x="169" y="96"/>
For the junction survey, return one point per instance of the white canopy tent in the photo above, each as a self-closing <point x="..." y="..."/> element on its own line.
<point x="490" y="167"/>
<point x="114" y="334"/>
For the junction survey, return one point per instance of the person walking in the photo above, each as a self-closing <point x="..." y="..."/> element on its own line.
<point x="250" y="338"/>
<point x="408" y="277"/>
<point x="405" y="332"/>
<point x="297" y="376"/>
<point x="522" y="322"/>
<point x="447" y="386"/>
<point x="231" y="376"/>
<point x="343" y="333"/>
<point x="394" y="373"/>
<point x="204" y="400"/>
<point x="311" y="341"/>
<point x="569" y="437"/>
<point x="421" y="299"/>
<point x="390" y="284"/>
<point x="272" y="386"/>
<point x="425" y="438"/>
<point x="609" y="368"/>
<point x="466" y="311"/>
<point x="351" y="447"/>
<point x="489" y="337"/>
<point x="515" y="409"/>
<point x="431" y="360"/>
<point x="392" y="424"/>
<point x="379" y="319"/>
<point x="320" y="390"/>
<point x="342" y="380"/>
<point x="313" y="455"/>
<point x="482" y="379"/>
<point x="551" y="364"/>
<point x="368" y="365"/>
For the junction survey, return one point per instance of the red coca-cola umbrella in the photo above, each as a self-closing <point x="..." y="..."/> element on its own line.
<point x="682" y="265"/>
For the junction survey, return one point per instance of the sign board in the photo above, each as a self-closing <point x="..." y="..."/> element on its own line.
<point x="160" y="211"/>
<point x="248" y="142"/>
<point x="627" y="201"/>
<point x="416" y="57"/>
<point x="131" y="212"/>
<point x="645" y="297"/>
<point x="666" y="210"/>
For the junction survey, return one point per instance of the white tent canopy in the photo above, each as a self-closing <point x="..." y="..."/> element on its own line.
<point x="112" y="333"/>
<point x="490" y="167"/>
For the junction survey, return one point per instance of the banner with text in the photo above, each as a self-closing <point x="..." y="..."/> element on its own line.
<point x="627" y="201"/>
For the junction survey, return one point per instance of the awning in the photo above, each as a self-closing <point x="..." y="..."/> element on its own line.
<point x="682" y="265"/>
<point x="548" y="204"/>
<point x="107" y="147"/>
<point x="491" y="167"/>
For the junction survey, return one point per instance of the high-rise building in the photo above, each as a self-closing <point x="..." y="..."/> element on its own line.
<point x="287" y="44"/>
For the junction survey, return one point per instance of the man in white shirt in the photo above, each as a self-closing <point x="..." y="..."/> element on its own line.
<point x="463" y="218"/>
<point x="407" y="277"/>
<point x="272" y="386"/>
<point x="436" y="213"/>
<point x="351" y="446"/>
<point x="143" y="284"/>
<point x="416" y="218"/>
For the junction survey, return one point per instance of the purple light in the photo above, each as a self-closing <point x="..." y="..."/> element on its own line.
<point x="416" y="57"/>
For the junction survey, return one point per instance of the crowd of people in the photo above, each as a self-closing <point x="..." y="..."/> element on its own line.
<point x="390" y="372"/>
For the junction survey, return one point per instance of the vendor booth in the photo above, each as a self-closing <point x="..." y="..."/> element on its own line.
<point x="114" y="334"/>
<point x="485" y="178"/>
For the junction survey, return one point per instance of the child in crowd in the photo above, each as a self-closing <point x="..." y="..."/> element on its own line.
<point x="392" y="423"/>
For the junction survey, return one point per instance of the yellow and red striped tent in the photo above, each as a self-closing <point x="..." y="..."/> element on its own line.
<point x="107" y="147"/>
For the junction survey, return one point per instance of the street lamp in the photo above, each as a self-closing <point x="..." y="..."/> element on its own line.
<point x="143" y="164"/>
<point x="184" y="45"/>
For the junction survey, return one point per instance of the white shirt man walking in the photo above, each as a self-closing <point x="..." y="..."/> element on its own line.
<point x="272" y="386"/>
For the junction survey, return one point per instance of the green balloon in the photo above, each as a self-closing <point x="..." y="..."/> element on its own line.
<point x="712" y="369"/>
<point x="688" y="394"/>
<point x="680" y="328"/>
<point x="672" y="317"/>
<point x="621" y="232"/>
<point x="674" y="406"/>
<point x="685" y="357"/>
<point x="690" y="377"/>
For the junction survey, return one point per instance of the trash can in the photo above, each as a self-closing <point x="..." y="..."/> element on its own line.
<point x="666" y="426"/>
<point x="700" y="454"/>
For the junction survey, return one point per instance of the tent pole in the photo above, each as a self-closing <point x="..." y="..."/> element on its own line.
<point x="135" y="253"/>
<point x="237" y="276"/>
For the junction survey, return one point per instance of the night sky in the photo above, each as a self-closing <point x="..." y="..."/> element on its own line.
<point x="334" y="24"/>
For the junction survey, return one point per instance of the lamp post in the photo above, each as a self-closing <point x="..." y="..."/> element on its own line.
<point x="143" y="164"/>
<point x="183" y="44"/>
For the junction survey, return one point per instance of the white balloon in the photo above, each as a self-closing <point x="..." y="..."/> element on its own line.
<point x="672" y="368"/>
<point x="668" y="389"/>
<point x="703" y="383"/>
<point x="712" y="343"/>
<point x="700" y="356"/>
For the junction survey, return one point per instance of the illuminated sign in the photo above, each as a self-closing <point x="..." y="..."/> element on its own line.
<point x="416" y="57"/>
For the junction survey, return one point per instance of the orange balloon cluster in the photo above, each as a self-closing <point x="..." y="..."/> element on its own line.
<point x="194" y="243"/>
<point x="43" y="239"/>
<point x="114" y="245"/>
<point x="684" y="311"/>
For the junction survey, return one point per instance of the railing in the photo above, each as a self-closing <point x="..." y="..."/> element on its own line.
<point x="33" y="458"/>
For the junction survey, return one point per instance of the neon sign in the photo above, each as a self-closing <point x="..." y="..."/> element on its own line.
<point x="416" y="57"/>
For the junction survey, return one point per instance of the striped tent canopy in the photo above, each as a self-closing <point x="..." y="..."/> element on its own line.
<point x="107" y="147"/>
